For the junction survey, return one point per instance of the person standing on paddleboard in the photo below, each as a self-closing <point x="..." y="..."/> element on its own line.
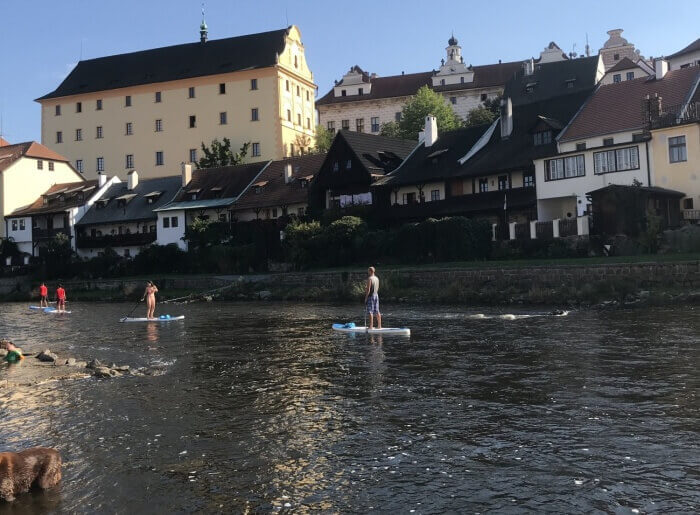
<point x="60" y="298"/>
<point x="372" y="298"/>
<point x="44" y="294"/>
<point x="150" y="296"/>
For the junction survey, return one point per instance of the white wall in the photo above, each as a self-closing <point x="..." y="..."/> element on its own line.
<point x="20" y="235"/>
<point x="168" y="235"/>
<point x="689" y="58"/>
<point x="398" y="199"/>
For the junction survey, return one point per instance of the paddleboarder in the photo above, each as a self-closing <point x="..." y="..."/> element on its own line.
<point x="44" y="294"/>
<point x="60" y="298"/>
<point x="150" y="296"/>
<point x="372" y="298"/>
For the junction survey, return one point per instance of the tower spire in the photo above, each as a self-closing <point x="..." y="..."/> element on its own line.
<point x="203" y="28"/>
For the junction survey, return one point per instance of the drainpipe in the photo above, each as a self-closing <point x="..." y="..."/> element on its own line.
<point x="646" y="144"/>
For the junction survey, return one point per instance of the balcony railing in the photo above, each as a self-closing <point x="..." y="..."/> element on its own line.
<point x="691" y="214"/>
<point x="40" y="234"/>
<point x="672" y="115"/>
<point x="116" y="240"/>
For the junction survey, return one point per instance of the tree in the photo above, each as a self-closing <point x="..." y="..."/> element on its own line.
<point x="390" y="130"/>
<point x="426" y="102"/>
<point x="494" y="105"/>
<point x="479" y="116"/>
<point x="324" y="138"/>
<point x="220" y="154"/>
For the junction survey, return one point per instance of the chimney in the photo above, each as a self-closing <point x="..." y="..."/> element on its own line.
<point x="529" y="66"/>
<point x="660" y="68"/>
<point x="506" y="118"/>
<point x="132" y="180"/>
<point x="287" y="173"/>
<point x="186" y="174"/>
<point x="101" y="179"/>
<point x="431" y="131"/>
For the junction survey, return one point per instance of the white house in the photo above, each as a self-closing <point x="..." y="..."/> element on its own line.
<point x="688" y="56"/>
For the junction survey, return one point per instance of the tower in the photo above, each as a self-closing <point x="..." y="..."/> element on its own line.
<point x="453" y="70"/>
<point x="454" y="51"/>
<point x="203" y="28"/>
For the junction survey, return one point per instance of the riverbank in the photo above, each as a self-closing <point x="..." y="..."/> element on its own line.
<point x="646" y="280"/>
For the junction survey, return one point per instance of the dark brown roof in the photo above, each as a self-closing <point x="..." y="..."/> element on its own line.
<point x="624" y="64"/>
<point x="619" y="107"/>
<point x="11" y="153"/>
<point x="224" y="182"/>
<point x="70" y="192"/>
<point x="408" y="84"/>
<point x="367" y="148"/>
<point x="276" y="192"/>
<point x="693" y="47"/>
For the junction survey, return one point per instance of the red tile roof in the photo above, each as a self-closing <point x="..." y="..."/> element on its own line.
<point x="11" y="153"/>
<point x="54" y="205"/>
<point x="619" y="107"/>
<point x="3" y="142"/>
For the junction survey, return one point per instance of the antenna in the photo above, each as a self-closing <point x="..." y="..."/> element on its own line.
<point x="286" y="15"/>
<point x="588" y="48"/>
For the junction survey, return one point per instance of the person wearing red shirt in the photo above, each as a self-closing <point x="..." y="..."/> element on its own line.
<point x="44" y="294"/>
<point x="61" y="298"/>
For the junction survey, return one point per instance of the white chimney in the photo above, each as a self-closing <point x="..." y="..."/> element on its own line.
<point x="101" y="179"/>
<point x="421" y="136"/>
<point x="431" y="130"/>
<point x="660" y="68"/>
<point x="132" y="179"/>
<point x="186" y="174"/>
<point x="529" y="66"/>
<point x="506" y="117"/>
<point x="287" y="173"/>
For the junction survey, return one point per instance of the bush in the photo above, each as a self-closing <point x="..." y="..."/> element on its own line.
<point x="160" y="258"/>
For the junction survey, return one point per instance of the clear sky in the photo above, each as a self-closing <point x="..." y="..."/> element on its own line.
<point x="41" y="40"/>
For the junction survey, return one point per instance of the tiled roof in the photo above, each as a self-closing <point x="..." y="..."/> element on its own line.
<point x="11" y="153"/>
<point x="656" y="190"/>
<point x="619" y="107"/>
<point x="138" y="207"/>
<point x="624" y="64"/>
<point x="173" y="63"/>
<point x="693" y="47"/>
<point x="3" y="142"/>
<point x="367" y="148"/>
<point x="70" y="190"/>
<point x="406" y="85"/>
<point x="276" y="192"/>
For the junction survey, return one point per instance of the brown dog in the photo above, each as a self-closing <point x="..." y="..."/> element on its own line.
<point x="20" y="471"/>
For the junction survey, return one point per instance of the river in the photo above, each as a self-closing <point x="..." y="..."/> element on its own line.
<point x="261" y="407"/>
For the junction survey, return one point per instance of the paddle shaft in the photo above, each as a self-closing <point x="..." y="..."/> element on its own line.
<point x="134" y="308"/>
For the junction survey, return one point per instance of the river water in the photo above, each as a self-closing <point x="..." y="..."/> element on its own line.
<point x="262" y="408"/>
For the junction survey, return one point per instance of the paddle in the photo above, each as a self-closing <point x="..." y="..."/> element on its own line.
<point x="132" y="310"/>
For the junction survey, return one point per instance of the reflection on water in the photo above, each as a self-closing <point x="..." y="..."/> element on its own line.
<point x="263" y="408"/>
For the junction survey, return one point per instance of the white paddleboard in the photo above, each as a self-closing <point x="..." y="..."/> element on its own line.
<point x="54" y="311"/>
<point x="157" y="319"/>
<point x="401" y="331"/>
<point x="48" y="310"/>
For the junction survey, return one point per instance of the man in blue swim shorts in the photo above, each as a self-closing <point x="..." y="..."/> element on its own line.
<point x="372" y="298"/>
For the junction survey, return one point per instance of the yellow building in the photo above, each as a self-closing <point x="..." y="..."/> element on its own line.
<point x="152" y="110"/>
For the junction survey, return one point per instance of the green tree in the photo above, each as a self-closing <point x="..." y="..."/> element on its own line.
<point x="479" y="116"/>
<point x="390" y="130"/>
<point x="324" y="138"/>
<point x="494" y="105"/>
<point x="426" y="102"/>
<point x="220" y="154"/>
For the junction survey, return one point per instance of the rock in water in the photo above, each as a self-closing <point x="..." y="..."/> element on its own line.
<point x="70" y="362"/>
<point x="94" y="364"/>
<point x="105" y="372"/>
<point x="47" y="356"/>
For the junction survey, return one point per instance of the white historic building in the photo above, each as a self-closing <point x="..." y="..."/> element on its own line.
<point x="617" y="48"/>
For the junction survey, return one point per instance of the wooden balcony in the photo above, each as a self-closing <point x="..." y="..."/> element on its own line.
<point x="116" y="240"/>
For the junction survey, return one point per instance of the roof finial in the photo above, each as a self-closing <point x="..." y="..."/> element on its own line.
<point x="203" y="28"/>
<point x="453" y="41"/>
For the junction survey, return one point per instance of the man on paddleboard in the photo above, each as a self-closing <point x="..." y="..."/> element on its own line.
<point x="60" y="298"/>
<point x="44" y="294"/>
<point x="372" y="298"/>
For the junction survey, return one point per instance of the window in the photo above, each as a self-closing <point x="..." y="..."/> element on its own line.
<point x="58" y="110"/>
<point x="397" y="116"/>
<point x="616" y="57"/>
<point x="375" y="123"/>
<point x="193" y="155"/>
<point x="296" y="61"/>
<point x="677" y="151"/>
<point x="78" y="107"/>
<point x="360" y="91"/>
<point x="608" y="141"/>
<point x="159" y="125"/>
<point x="193" y="121"/>
<point x="301" y="211"/>
<point x="78" y="134"/>
<point x="158" y="97"/>
<point x="127" y="253"/>
<point x="100" y="164"/>
<point x="127" y="101"/>
<point x="581" y="146"/>
<point x="166" y="222"/>
<point x="345" y="124"/>
<point x="348" y="164"/>
<point x="129" y="128"/>
<point x="286" y="85"/>
<point x="222" y="88"/>
<point x="14" y="225"/>
<point x="298" y="91"/>
<point x="434" y="195"/>
<point x="50" y="166"/>
<point x="543" y="137"/>
<point x="298" y="118"/>
<point x="39" y="165"/>
<point x="687" y="204"/>
<point x="331" y="127"/>
<point x="617" y="77"/>
<point x="453" y="100"/>
<point x="256" y="150"/>
<point x="336" y="166"/>
<point x="98" y="104"/>
<point x="98" y="133"/>
<point x="502" y="182"/>
<point x="630" y="75"/>
<point x="173" y="221"/>
<point x="159" y="158"/>
<point x="564" y="168"/>
<point x="79" y="165"/>
<point x="308" y="96"/>
<point x="190" y="92"/>
<point x="409" y="198"/>
<point x="360" y="124"/>
<point x="59" y="137"/>
<point x="253" y="84"/>
<point x="23" y="226"/>
<point x="616" y="160"/>
<point x="343" y="93"/>
<point x="639" y="136"/>
<point x="289" y="115"/>
<point x="442" y="82"/>
<point x="528" y="181"/>
<point x="461" y="80"/>
<point x="222" y="118"/>
<point x="274" y="212"/>
<point x="254" y="114"/>
<point x="483" y="185"/>
<point x="129" y="161"/>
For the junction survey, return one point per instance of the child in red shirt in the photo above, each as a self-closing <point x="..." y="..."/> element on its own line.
<point x="44" y="294"/>
<point x="61" y="298"/>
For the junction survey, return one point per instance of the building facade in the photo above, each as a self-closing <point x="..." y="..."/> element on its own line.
<point x="153" y="109"/>
<point x="616" y="48"/>
<point x="688" y="56"/>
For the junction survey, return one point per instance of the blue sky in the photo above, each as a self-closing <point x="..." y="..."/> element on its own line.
<point x="41" y="40"/>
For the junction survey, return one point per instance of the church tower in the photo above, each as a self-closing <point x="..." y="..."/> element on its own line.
<point x="453" y="70"/>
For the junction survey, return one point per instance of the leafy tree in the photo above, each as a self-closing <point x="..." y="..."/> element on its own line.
<point x="390" y="130"/>
<point x="479" y="116"/>
<point x="324" y="138"/>
<point x="494" y="105"/>
<point x="425" y="102"/>
<point x="220" y="154"/>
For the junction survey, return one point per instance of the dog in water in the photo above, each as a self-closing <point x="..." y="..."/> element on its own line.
<point x="20" y="471"/>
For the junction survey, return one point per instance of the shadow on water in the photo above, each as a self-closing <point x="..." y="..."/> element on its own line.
<point x="263" y="408"/>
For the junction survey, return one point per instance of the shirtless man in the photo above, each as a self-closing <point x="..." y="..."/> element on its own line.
<point x="372" y="298"/>
<point x="150" y="296"/>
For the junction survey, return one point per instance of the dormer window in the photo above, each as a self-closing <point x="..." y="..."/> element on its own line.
<point x="216" y="191"/>
<point x="336" y="166"/>
<point x="570" y="83"/>
<point x="61" y="198"/>
<point x="46" y="200"/>
<point x="543" y="137"/>
<point x="348" y="164"/>
<point x="530" y="87"/>
<point x="303" y="183"/>
<point x="258" y="187"/>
